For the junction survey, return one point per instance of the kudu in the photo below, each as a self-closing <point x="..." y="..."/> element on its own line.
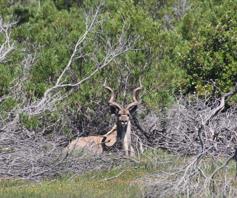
<point x="123" y="123"/>
<point x="93" y="144"/>
<point x="119" y="136"/>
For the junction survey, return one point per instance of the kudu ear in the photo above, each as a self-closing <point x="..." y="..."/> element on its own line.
<point x="113" y="110"/>
<point x="132" y="109"/>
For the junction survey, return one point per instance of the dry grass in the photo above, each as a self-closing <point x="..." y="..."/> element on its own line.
<point x="118" y="182"/>
<point x="156" y="174"/>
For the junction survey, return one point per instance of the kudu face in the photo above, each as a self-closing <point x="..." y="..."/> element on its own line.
<point x="123" y="119"/>
<point x="123" y="123"/>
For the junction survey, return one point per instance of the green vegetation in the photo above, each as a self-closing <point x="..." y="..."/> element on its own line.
<point x="179" y="47"/>
<point x="187" y="48"/>
<point x="97" y="184"/>
<point x="120" y="181"/>
<point x="134" y="180"/>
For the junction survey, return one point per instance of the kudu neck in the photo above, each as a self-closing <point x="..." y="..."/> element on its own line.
<point x="122" y="130"/>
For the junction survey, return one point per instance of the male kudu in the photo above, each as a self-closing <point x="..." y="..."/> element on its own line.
<point x="119" y="135"/>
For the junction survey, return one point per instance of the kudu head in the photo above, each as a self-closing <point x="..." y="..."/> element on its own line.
<point x="123" y="113"/>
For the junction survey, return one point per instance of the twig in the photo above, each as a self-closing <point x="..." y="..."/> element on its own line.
<point x="116" y="176"/>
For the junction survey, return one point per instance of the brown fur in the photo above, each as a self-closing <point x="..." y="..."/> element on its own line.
<point x="120" y="133"/>
<point x="93" y="144"/>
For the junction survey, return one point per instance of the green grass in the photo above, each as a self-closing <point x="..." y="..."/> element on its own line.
<point x="124" y="181"/>
<point x="114" y="183"/>
<point x="121" y="181"/>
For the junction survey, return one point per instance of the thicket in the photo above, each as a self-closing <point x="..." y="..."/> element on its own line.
<point x="56" y="55"/>
<point x="187" y="46"/>
<point x="174" y="47"/>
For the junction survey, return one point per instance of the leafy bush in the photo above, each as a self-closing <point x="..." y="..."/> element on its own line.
<point x="180" y="46"/>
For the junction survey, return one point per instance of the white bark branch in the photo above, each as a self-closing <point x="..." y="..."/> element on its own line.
<point x="8" y="45"/>
<point x="56" y="93"/>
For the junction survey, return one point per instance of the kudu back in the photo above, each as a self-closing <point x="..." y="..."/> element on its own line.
<point x="92" y="144"/>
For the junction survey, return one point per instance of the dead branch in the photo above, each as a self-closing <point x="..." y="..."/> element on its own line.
<point x="8" y="45"/>
<point x="55" y="94"/>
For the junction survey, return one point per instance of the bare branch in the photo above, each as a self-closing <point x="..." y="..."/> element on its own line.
<point x="55" y="94"/>
<point x="8" y="45"/>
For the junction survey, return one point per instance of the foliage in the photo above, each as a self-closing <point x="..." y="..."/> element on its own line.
<point x="209" y="52"/>
<point x="181" y="46"/>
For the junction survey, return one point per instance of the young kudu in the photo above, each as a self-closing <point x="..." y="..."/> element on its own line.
<point x="119" y="136"/>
